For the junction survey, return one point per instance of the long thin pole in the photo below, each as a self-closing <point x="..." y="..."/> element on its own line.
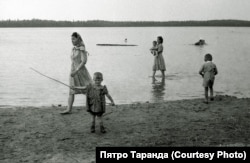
<point x="49" y="77"/>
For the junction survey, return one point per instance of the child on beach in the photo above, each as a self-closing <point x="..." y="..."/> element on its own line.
<point x="95" y="100"/>
<point x="208" y="72"/>
<point x="154" y="48"/>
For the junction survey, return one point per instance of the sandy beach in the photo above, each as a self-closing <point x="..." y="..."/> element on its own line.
<point x="41" y="134"/>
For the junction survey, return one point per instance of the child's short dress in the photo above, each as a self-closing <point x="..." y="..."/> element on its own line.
<point x="82" y="77"/>
<point x="159" y="63"/>
<point x="95" y="99"/>
<point x="209" y="69"/>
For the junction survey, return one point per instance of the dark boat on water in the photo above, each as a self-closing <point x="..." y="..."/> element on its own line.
<point x="200" y="42"/>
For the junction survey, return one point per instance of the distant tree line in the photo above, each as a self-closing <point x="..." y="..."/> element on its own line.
<point x="102" y="23"/>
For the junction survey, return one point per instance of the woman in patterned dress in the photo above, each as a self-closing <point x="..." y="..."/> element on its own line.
<point x="79" y="75"/>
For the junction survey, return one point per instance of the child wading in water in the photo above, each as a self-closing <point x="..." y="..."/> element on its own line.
<point x="208" y="72"/>
<point x="95" y="100"/>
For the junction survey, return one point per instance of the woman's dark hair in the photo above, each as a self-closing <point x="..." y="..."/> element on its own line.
<point x="75" y="34"/>
<point x="160" y="38"/>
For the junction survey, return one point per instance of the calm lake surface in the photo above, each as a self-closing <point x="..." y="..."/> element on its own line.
<point x="127" y="70"/>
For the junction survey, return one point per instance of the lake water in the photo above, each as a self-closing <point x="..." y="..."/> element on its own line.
<point x="126" y="70"/>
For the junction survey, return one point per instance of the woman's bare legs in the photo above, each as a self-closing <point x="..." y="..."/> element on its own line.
<point x="153" y="77"/>
<point x="70" y="104"/>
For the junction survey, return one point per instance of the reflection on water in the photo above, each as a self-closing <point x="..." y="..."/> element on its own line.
<point x="200" y="50"/>
<point x="158" y="90"/>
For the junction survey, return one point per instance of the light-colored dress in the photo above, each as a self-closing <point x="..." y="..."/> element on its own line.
<point x="159" y="63"/>
<point x="209" y="70"/>
<point x="95" y="99"/>
<point x="82" y="77"/>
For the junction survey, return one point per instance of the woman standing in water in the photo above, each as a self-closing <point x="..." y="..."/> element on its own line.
<point x="159" y="63"/>
<point x="79" y="75"/>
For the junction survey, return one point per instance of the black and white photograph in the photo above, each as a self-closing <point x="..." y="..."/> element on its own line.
<point x="76" y="75"/>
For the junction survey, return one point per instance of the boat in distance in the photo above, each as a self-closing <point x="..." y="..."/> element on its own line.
<point x="116" y="45"/>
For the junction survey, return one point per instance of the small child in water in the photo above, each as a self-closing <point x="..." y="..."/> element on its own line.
<point x="208" y="72"/>
<point x="154" y="48"/>
<point x="95" y="100"/>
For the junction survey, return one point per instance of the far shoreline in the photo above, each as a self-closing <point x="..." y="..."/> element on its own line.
<point x="103" y="23"/>
<point x="138" y="27"/>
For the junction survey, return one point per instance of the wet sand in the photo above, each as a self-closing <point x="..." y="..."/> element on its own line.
<point x="41" y="134"/>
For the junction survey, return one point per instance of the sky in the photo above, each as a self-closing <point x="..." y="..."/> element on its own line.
<point x="125" y="10"/>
